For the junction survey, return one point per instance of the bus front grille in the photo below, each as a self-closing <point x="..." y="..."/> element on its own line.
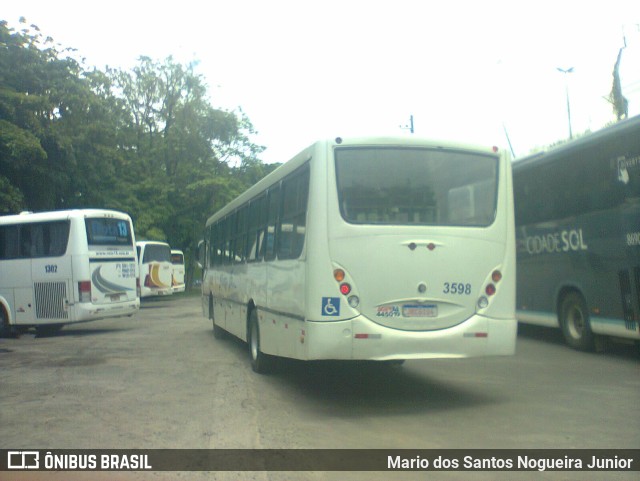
<point x="51" y="299"/>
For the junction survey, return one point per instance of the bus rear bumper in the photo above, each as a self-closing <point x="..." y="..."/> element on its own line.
<point x="93" y="312"/>
<point x="361" y="339"/>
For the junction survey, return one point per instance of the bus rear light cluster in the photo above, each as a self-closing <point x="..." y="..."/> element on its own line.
<point x="490" y="289"/>
<point x="345" y="288"/>
<point x="84" y="291"/>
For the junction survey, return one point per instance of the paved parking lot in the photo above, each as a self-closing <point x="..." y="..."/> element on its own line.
<point x="161" y="380"/>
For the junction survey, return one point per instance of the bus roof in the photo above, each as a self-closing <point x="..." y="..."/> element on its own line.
<point x="581" y="142"/>
<point x="59" y="214"/>
<point x="150" y="242"/>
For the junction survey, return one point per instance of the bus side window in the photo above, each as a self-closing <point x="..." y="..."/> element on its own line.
<point x="291" y="229"/>
<point x="269" y="242"/>
<point x="257" y="224"/>
<point x="9" y="242"/>
<point x="25" y="241"/>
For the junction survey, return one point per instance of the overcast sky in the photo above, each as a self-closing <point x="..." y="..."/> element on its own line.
<point x="307" y="69"/>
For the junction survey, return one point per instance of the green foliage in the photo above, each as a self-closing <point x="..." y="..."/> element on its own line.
<point x="145" y="141"/>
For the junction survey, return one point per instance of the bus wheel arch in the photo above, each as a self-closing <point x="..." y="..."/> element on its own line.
<point x="573" y="317"/>
<point x="260" y="362"/>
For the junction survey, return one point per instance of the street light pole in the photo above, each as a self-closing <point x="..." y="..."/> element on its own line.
<point x="566" y="83"/>
<point x="410" y="126"/>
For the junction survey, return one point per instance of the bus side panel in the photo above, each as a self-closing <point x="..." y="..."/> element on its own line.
<point x="17" y="289"/>
<point x="319" y="274"/>
<point x="281" y="327"/>
<point x="256" y="293"/>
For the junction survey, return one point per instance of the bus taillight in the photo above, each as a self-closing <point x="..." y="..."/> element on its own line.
<point x="84" y="291"/>
<point x="345" y="287"/>
<point x="490" y="289"/>
<point x="496" y="276"/>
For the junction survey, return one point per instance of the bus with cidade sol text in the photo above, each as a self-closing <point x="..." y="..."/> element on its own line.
<point x="578" y="236"/>
<point x="381" y="249"/>
<point x="67" y="266"/>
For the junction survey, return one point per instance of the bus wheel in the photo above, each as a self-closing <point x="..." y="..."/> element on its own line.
<point x="260" y="362"/>
<point x="218" y="332"/>
<point x="574" y="320"/>
<point x="6" y="330"/>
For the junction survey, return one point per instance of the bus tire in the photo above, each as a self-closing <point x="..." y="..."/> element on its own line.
<point x="260" y="362"/>
<point x="574" y="321"/>
<point x="218" y="332"/>
<point x="6" y="330"/>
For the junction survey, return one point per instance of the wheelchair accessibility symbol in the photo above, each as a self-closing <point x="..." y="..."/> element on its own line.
<point x="330" y="306"/>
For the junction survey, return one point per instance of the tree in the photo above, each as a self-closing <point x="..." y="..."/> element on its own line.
<point x="146" y="141"/>
<point x="49" y="111"/>
<point x="618" y="101"/>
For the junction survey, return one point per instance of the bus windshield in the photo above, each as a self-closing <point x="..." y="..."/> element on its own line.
<point x="157" y="253"/>
<point x="416" y="186"/>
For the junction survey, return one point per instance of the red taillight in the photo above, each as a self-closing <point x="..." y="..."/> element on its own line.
<point x="147" y="281"/>
<point x="490" y="290"/>
<point x="345" y="289"/>
<point x="84" y="291"/>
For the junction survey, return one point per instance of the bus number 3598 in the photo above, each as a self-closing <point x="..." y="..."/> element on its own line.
<point x="457" y="288"/>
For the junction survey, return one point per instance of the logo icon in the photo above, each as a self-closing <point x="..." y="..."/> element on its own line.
<point x="330" y="306"/>
<point x="23" y="460"/>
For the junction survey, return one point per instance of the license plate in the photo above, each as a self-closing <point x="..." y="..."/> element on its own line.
<point x="115" y="297"/>
<point x="420" y="310"/>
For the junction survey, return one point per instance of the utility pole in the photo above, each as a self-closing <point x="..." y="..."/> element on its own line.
<point x="410" y="126"/>
<point x="566" y="83"/>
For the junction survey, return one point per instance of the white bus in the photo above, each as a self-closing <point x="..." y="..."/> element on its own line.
<point x="368" y="249"/>
<point x="156" y="269"/>
<point x="177" y="279"/>
<point x="63" y="267"/>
